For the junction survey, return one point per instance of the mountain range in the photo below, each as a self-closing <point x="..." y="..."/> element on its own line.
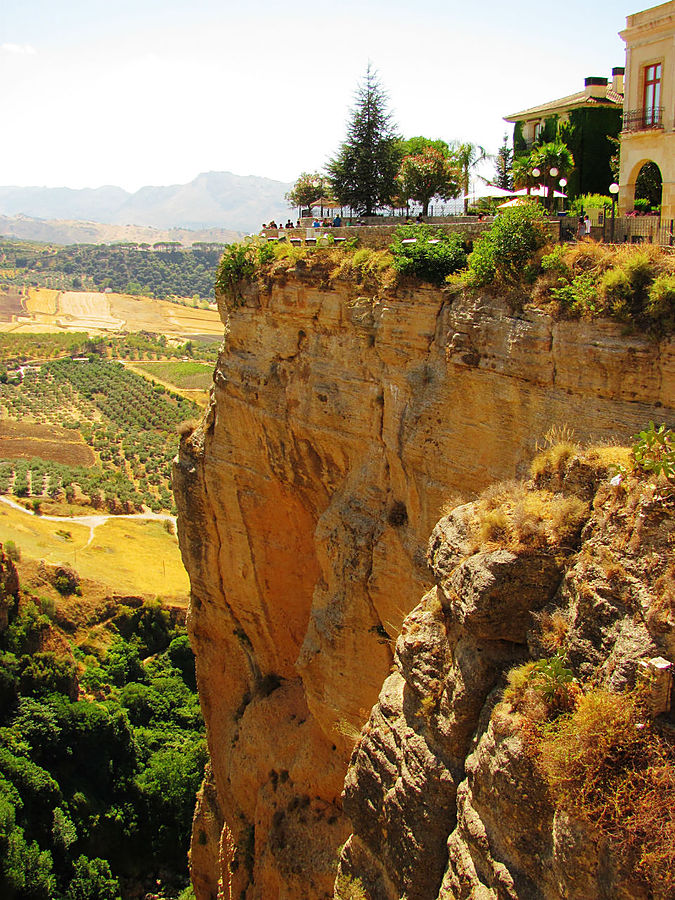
<point x="212" y="200"/>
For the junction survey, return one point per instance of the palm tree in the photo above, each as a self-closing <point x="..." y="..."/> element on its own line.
<point x="467" y="156"/>
<point x="551" y="156"/>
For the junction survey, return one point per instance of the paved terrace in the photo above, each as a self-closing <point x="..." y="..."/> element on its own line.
<point x="378" y="232"/>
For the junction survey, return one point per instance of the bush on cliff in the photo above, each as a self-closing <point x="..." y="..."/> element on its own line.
<point x="632" y="283"/>
<point x="505" y="254"/>
<point x="238" y="266"/>
<point x="432" y="257"/>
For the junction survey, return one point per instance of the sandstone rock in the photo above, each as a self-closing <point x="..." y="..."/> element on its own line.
<point x="490" y="828"/>
<point x="338" y="427"/>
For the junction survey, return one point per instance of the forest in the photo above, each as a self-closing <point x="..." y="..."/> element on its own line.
<point x="166" y="271"/>
<point x="101" y="745"/>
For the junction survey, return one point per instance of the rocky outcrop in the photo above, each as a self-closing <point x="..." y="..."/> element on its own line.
<point x="443" y="792"/>
<point x="338" y="427"/>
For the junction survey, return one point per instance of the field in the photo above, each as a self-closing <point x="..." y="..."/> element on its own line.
<point x="185" y="375"/>
<point x="129" y="424"/>
<point x="22" y="440"/>
<point x="130" y="556"/>
<point x="44" y="310"/>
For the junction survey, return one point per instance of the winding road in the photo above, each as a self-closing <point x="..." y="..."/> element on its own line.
<point x="92" y="521"/>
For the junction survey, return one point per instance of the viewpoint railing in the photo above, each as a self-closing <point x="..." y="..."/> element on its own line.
<point x="644" y="119"/>
<point x="640" y="230"/>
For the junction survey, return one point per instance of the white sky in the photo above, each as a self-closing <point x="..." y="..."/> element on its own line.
<point x="136" y="92"/>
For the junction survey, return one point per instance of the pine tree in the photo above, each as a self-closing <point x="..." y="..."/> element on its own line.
<point x="504" y="166"/>
<point x="363" y="173"/>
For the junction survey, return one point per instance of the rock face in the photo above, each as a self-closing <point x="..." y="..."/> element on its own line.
<point x="338" y="427"/>
<point x="445" y="800"/>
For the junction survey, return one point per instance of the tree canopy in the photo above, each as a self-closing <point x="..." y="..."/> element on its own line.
<point x="309" y="187"/>
<point x="427" y="174"/>
<point x="363" y="173"/>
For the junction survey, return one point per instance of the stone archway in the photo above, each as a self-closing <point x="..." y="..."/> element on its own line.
<point x="649" y="185"/>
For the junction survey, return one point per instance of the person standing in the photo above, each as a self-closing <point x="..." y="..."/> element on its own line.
<point x="587" y="226"/>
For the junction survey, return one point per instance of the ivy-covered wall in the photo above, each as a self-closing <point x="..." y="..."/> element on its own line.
<point x="586" y="134"/>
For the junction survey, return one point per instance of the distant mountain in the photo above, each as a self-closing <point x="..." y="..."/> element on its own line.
<point x="59" y="231"/>
<point x="212" y="200"/>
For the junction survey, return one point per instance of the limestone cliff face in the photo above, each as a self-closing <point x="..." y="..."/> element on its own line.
<point x="337" y="429"/>
<point x="445" y="799"/>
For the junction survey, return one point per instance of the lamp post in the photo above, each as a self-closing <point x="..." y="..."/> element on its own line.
<point x="614" y="190"/>
<point x="563" y="185"/>
<point x="552" y="173"/>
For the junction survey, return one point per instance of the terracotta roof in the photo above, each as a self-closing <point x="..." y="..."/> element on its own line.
<point x="572" y="101"/>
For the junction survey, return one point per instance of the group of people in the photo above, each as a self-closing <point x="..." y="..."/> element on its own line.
<point x="326" y="223"/>
<point x="584" y="227"/>
<point x="273" y="224"/>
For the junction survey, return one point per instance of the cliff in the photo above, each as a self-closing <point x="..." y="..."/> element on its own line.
<point x="447" y="788"/>
<point x="338" y="427"/>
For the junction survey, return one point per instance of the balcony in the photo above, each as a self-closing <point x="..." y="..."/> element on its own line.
<point x="647" y="119"/>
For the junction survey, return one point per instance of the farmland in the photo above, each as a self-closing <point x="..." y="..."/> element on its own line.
<point x="127" y="424"/>
<point x="37" y="310"/>
<point x="188" y="375"/>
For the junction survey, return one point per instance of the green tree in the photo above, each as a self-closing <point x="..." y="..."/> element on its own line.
<point x="307" y="189"/>
<point x="504" y="166"/>
<point x="427" y="174"/>
<point x="414" y="145"/>
<point x="553" y="155"/>
<point x="93" y="880"/>
<point x="363" y="173"/>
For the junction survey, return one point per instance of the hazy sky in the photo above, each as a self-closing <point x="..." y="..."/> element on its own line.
<point x="136" y="92"/>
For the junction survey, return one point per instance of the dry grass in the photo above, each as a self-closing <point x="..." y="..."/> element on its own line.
<point x="662" y="611"/>
<point x="514" y="517"/>
<point x="554" y="631"/>
<point x="608" y="765"/>
<point x="130" y="556"/>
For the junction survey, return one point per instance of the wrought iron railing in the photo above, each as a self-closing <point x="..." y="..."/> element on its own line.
<point x="643" y="119"/>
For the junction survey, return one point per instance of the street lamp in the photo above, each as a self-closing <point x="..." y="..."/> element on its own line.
<point x="552" y="173"/>
<point x="563" y="185"/>
<point x="614" y="190"/>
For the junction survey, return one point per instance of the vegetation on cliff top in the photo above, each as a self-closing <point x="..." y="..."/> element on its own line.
<point x="515" y="258"/>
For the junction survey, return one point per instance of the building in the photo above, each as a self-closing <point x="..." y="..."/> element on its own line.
<point x="648" y="134"/>
<point x="585" y="121"/>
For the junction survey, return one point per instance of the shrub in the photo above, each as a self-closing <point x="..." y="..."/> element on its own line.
<point x="661" y="299"/>
<point x="432" y="257"/>
<point x="237" y="267"/>
<point x="608" y="765"/>
<point x="507" y="251"/>
<point x="542" y="689"/>
<point x="653" y="450"/>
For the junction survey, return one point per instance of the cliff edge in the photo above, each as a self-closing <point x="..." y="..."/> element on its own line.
<point x="338" y="426"/>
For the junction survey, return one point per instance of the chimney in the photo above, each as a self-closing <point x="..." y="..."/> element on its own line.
<point x="596" y="87"/>
<point x="617" y="79"/>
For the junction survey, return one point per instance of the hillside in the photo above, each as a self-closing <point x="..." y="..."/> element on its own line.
<point x="61" y="231"/>
<point x="212" y="200"/>
<point x="343" y="418"/>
